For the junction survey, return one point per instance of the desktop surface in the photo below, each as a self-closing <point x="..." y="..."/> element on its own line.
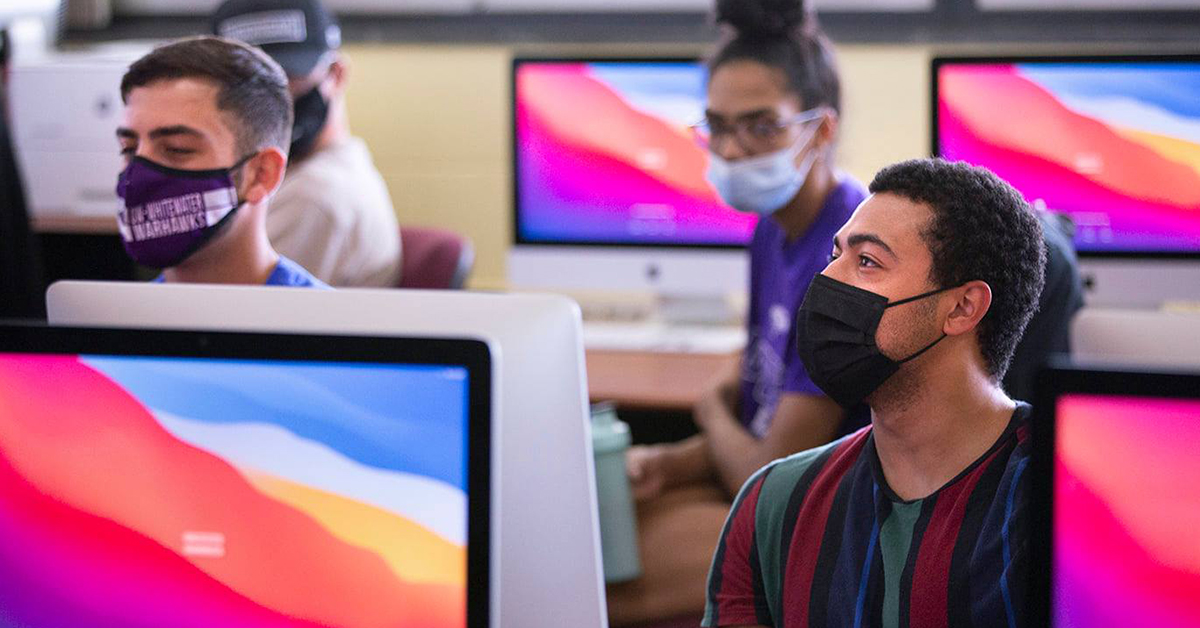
<point x="1121" y="449"/>
<point x="159" y="478"/>
<point x="1113" y="142"/>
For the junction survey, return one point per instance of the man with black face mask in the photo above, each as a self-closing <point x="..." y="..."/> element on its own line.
<point x="921" y="518"/>
<point x="333" y="213"/>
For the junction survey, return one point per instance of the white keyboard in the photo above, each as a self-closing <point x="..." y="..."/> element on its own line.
<point x="662" y="337"/>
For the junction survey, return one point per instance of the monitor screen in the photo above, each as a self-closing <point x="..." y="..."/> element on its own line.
<point x="185" y="491"/>
<point x="1112" y="142"/>
<point x="604" y="154"/>
<point x="1126" y="511"/>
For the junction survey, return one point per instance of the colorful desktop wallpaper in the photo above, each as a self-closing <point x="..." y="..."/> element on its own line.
<point x="1127" y="513"/>
<point x="179" y="492"/>
<point x="605" y="154"/>
<point x="1115" y="146"/>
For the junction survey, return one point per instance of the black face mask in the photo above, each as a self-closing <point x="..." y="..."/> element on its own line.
<point x="311" y="110"/>
<point x="835" y="333"/>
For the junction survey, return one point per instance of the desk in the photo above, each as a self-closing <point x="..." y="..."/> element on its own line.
<point x="76" y="225"/>
<point x="655" y="381"/>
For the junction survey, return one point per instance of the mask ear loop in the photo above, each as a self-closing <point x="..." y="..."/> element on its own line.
<point x="918" y="298"/>
<point x="924" y="295"/>
<point x="233" y="173"/>
<point x="922" y="351"/>
<point x="241" y="162"/>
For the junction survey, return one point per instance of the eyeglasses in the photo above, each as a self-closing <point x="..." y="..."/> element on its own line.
<point x="753" y="135"/>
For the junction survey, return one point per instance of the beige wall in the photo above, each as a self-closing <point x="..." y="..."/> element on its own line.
<point x="437" y="120"/>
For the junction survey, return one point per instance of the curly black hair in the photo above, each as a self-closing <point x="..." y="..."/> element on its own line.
<point x="781" y="34"/>
<point x="982" y="229"/>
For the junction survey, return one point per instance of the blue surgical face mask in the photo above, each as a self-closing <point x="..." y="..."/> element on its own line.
<point x="763" y="184"/>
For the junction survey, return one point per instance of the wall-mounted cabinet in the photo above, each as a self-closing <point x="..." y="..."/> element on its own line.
<point x="699" y="6"/>
<point x="1085" y="5"/>
<point x="451" y="7"/>
<point x="381" y="7"/>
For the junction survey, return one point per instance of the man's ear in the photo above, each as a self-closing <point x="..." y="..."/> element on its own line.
<point x="339" y="72"/>
<point x="263" y="174"/>
<point x="973" y="300"/>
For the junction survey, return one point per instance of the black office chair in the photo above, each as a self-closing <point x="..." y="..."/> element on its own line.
<point x="21" y="285"/>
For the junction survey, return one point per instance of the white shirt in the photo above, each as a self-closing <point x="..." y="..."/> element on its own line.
<point x="333" y="216"/>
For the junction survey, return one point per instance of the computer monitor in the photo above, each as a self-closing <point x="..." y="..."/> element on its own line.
<point x="66" y="147"/>
<point x="154" y="478"/>
<point x="1115" y="504"/>
<point x="610" y="185"/>
<point x="549" y="550"/>
<point x="1111" y="141"/>
<point x="32" y="25"/>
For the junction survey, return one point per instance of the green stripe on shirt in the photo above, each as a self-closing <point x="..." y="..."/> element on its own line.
<point x="895" y="540"/>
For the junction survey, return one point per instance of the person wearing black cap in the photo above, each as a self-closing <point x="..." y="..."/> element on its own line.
<point x="333" y="213"/>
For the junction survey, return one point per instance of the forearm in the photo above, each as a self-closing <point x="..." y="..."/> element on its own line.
<point x="800" y="422"/>
<point x="688" y="461"/>
<point x="734" y="452"/>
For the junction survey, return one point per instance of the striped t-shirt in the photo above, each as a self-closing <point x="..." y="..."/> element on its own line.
<point x="819" y="539"/>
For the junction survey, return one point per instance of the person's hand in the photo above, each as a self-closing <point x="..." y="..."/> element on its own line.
<point x="647" y="469"/>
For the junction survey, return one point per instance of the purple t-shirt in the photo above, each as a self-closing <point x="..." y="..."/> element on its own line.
<point x="780" y="272"/>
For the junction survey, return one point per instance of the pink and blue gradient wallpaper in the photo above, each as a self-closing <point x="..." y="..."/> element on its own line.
<point x="604" y="154"/>
<point x="1127" y="513"/>
<point x="174" y="492"/>
<point x="1115" y="146"/>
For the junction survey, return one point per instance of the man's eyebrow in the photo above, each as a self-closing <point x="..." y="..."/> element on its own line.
<point x="870" y="238"/>
<point x="171" y="131"/>
<point x="126" y="134"/>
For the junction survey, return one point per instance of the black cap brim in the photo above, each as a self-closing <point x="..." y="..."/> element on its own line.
<point x="296" y="60"/>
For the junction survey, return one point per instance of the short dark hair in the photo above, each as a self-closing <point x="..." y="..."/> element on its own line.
<point x="781" y="34"/>
<point x="252" y="88"/>
<point x="982" y="229"/>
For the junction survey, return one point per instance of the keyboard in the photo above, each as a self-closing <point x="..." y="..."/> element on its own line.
<point x="659" y="337"/>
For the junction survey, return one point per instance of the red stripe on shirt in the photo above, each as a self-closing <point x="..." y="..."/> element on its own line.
<point x="810" y="529"/>
<point x="928" y="597"/>
<point x="736" y="576"/>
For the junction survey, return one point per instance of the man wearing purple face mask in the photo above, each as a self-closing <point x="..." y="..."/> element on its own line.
<point x="205" y="134"/>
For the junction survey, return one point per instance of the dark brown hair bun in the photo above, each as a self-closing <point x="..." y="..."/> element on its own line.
<point x="762" y="18"/>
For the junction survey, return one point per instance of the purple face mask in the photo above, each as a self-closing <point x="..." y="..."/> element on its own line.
<point x="169" y="213"/>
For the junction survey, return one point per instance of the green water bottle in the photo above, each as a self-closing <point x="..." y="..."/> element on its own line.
<point x="618" y="525"/>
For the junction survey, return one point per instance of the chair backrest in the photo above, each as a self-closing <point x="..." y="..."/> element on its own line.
<point x="434" y="258"/>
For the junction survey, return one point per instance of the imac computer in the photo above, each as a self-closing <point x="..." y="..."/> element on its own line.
<point x="155" y="478"/>
<point x="610" y="190"/>
<point x="1113" y="142"/>
<point x="32" y="26"/>
<point x="1115" y="505"/>
<point x="549" y="550"/>
<point x="67" y="147"/>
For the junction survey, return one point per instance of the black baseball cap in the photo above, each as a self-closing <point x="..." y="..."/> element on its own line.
<point x="295" y="33"/>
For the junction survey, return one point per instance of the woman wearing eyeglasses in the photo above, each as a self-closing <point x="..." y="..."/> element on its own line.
<point x="771" y="128"/>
